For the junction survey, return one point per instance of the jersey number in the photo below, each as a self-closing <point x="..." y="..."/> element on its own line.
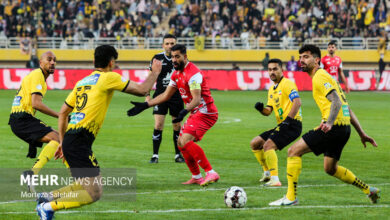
<point x="81" y="99"/>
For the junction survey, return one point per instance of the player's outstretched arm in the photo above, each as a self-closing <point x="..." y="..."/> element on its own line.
<point x="36" y="101"/>
<point x="141" y="106"/>
<point x="363" y="136"/>
<point x="144" y="88"/>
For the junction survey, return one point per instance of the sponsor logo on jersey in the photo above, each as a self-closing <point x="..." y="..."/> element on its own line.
<point x="17" y="101"/>
<point x="89" y="80"/>
<point x="76" y="117"/>
<point x="39" y="86"/>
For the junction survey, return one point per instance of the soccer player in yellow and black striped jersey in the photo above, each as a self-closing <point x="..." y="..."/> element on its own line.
<point x="22" y="119"/>
<point x="88" y="104"/>
<point x="331" y="136"/>
<point x="284" y="100"/>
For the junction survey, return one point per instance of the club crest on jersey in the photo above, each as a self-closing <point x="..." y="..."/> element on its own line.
<point x="327" y="85"/>
<point x="89" y="80"/>
<point x="182" y="91"/>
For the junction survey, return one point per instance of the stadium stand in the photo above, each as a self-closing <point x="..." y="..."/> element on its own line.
<point x="229" y="24"/>
<point x="82" y="19"/>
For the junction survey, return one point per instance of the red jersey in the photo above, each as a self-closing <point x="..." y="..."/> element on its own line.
<point x="332" y="65"/>
<point x="192" y="78"/>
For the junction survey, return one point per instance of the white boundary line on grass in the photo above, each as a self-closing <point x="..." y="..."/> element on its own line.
<point x="210" y="189"/>
<point x="210" y="210"/>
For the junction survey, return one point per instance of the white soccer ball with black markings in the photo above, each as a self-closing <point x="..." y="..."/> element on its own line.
<point x="235" y="197"/>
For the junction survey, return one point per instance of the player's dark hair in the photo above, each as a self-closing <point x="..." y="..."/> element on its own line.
<point x="103" y="55"/>
<point x="167" y="36"/>
<point x="314" y="50"/>
<point x="332" y="42"/>
<point x="278" y="61"/>
<point x="180" y="47"/>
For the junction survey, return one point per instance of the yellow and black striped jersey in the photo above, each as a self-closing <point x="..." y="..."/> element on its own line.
<point x="33" y="83"/>
<point x="323" y="84"/>
<point x="90" y="99"/>
<point x="280" y="98"/>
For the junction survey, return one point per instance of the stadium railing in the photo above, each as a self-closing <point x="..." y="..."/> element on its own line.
<point x="208" y="43"/>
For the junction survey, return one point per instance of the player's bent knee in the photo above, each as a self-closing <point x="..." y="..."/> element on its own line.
<point x="292" y="152"/>
<point x="269" y="146"/>
<point x="51" y="136"/>
<point x="95" y="192"/>
<point x="256" y="143"/>
<point x="159" y="126"/>
<point x="330" y="170"/>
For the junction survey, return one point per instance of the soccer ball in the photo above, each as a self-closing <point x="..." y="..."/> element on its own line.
<point x="235" y="197"/>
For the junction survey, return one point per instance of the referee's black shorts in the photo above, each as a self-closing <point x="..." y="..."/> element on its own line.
<point x="330" y="144"/>
<point x="282" y="135"/>
<point x="174" y="106"/>
<point x="77" y="150"/>
<point x="29" y="129"/>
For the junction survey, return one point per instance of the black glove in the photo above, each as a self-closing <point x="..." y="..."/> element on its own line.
<point x="138" y="108"/>
<point x="259" y="106"/>
<point x="181" y="115"/>
<point x="286" y="121"/>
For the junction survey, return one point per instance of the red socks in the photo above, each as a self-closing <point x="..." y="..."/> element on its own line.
<point x="191" y="163"/>
<point x="195" y="155"/>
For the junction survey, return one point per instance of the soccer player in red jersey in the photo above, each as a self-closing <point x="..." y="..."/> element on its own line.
<point x="333" y="65"/>
<point x="194" y="91"/>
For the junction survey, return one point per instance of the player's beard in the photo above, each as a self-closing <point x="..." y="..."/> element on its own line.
<point x="51" y="70"/>
<point x="307" y="68"/>
<point x="178" y="66"/>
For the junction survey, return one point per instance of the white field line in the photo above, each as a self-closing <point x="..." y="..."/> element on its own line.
<point x="209" y="210"/>
<point x="210" y="189"/>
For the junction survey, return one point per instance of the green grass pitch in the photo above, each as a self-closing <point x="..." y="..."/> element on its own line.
<point x="127" y="142"/>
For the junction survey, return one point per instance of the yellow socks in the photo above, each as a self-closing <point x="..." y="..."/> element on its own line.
<point x="294" y="166"/>
<point x="347" y="176"/>
<point x="81" y="197"/>
<point x="46" y="154"/>
<point x="259" y="154"/>
<point x="271" y="160"/>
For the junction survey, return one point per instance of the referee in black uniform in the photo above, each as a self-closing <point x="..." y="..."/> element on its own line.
<point x="175" y="104"/>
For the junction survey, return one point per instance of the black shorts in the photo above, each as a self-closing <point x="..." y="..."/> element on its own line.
<point x="77" y="150"/>
<point x="29" y="129"/>
<point x="282" y="135"/>
<point x="330" y="144"/>
<point x="174" y="106"/>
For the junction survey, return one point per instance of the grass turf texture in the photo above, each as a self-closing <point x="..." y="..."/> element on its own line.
<point x="127" y="142"/>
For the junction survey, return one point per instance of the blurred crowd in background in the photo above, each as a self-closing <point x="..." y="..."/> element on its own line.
<point x="274" y="20"/>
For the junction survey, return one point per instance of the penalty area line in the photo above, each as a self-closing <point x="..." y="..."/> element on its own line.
<point x="208" y="210"/>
